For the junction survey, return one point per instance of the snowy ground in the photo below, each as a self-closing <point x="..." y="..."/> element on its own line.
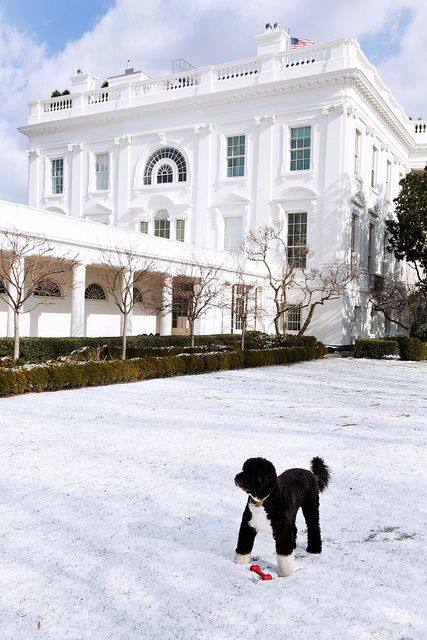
<point x="119" y="515"/>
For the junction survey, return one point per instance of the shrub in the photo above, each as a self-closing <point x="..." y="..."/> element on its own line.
<point x="72" y="375"/>
<point x="374" y="348"/>
<point x="411" y="348"/>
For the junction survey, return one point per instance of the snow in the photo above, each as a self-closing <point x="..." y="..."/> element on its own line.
<point x="119" y="514"/>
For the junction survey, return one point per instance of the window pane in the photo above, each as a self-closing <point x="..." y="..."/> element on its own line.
<point x="297" y="238"/>
<point x="57" y="175"/>
<point x="236" y="156"/>
<point x="162" y="224"/>
<point x="180" y="230"/>
<point x="165" y="174"/>
<point x="300" y="148"/>
<point x="101" y="171"/>
<point x="293" y="319"/>
<point x="143" y="226"/>
<point x="233" y="236"/>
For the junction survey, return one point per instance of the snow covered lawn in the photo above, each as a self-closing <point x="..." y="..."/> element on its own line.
<point x="119" y="514"/>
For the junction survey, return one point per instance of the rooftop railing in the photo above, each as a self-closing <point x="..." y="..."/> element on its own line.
<point x="289" y="65"/>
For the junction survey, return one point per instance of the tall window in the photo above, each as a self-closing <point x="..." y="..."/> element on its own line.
<point x="233" y="234"/>
<point x="162" y="224"/>
<point x="164" y="174"/>
<point x="371" y="247"/>
<point x="293" y="319"/>
<point x="101" y="171"/>
<point x="388" y="181"/>
<point x="239" y="308"/>
<point x="180" y="230"/>
<point x="143" y="226"/>
<point x="236" y="156"/>
<point x="384" y="263"/>
<point x="297" y="239"/>
<point x="374" y="167"/>
<point x="300" y="148"/>
<point x="353" y="239"/>
<point x="357" y="152"/>
<point x="57" y="168"/>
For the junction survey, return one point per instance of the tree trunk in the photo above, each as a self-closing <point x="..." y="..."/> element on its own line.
<point x="308" y="319"/>
<point x="15" y="335"/>
<point x="242" y="337"/>
<point x="124" y="335"/>
<point x="191" y="333"/>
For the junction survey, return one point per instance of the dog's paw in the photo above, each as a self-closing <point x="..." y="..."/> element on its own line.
<point x="285" y="565"/>
<point x="239" y="558"/>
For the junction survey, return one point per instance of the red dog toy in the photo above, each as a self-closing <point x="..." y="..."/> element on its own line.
<point x="257" y="569"/>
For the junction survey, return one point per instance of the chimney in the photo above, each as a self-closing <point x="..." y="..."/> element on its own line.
<point x="273" y="40"/>
<point x="81" y="81"/>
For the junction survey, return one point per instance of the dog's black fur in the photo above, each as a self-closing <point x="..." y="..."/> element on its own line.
<point x="286" y="493"/>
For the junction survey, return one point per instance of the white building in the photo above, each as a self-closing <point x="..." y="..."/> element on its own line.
<point x="308" y="139"/>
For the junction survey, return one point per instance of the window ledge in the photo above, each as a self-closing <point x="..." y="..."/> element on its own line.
<point x="233" y="180"/>
<point x="54" y="196"/>
<point x="301" y="172"/>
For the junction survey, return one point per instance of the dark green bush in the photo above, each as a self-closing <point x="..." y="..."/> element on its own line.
<point x="55" y="376"/>
<point x="375" y="348"/>
<point x="411" y="348"/>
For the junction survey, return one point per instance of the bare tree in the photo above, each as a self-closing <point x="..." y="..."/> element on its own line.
<point x="197" y="288"/>
<point x="244" y="303"/>
<point x="130" y="279"/>
<point x="29" y="273"/>
<point x="401" y="304"/>
<point x="267" y="247"/>
<point x="294" y="285"/>
<point x="320" y="285"/>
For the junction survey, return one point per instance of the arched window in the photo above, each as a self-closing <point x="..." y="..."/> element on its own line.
<point x="164" y="174"/>
<point x="162" y="224"/>
<point x="95" y="292"/>
<point x="48" y="289"/>
<point x="161" y="154"/>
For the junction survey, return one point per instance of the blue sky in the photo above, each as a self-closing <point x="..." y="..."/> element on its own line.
<point x="41" y="41"/>
<point x="56" y="22"/>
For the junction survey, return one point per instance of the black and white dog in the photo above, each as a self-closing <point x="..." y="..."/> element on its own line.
<point x="273" y="504"/>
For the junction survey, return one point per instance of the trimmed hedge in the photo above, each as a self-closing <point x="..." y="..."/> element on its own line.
<point x="411" y="348"/>
<point x="407" y="348"/>
<point x="375" y="348"/>
<point x="44" y="349"/>
<point x="53" y="377"/>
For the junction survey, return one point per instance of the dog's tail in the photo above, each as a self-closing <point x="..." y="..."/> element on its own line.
<point x="321" y="472"/>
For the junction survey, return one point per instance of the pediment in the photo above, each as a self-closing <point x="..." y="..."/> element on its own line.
<point x="231" y="200"/>
<point x="298" y="193"/>
<point x="98" y="213"/>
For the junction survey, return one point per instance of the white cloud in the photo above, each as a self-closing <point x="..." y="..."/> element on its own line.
<point x="204" y="32"/>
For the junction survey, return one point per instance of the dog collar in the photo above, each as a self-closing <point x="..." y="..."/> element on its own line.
<point x="259" y="503"/>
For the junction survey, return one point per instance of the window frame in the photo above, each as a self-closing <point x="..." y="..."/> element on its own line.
<point x="292" y="248"/>
<point x="53" y="177"/>
<point x="232" y="248"/>
<point x="294" y="318"/>
<point x="162" y="230"/>
<point x="230" y="157"/>
<point x="296" y="169"/>
<point x="102" y="173"/>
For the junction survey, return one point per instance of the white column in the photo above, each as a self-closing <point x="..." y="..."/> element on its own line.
<point x="166" y="317"/>
<point x="78" y="301"/>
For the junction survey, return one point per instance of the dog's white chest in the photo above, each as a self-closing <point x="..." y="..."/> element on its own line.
<point x="259" y="520"/>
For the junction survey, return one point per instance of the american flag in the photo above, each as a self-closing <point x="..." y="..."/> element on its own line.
<point x="296" y="43"/>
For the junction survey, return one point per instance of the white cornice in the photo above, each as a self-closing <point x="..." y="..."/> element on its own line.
<point x="353" y="77"/>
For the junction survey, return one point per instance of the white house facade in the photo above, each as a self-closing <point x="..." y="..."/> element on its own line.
<point x="310" y="141"/>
